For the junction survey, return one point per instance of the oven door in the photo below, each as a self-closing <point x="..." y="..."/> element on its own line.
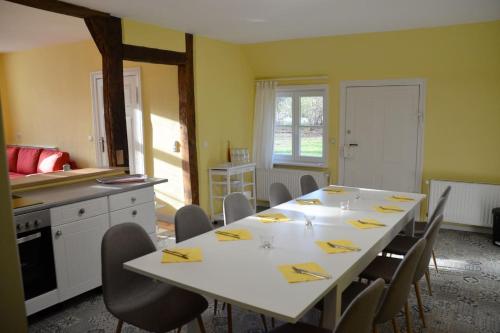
<point x="37" y="262"/>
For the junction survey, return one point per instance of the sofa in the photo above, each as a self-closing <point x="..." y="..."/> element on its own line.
<point x="24" y="160"/>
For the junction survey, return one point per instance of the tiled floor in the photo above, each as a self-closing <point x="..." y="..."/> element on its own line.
<point x="466" y="297"/>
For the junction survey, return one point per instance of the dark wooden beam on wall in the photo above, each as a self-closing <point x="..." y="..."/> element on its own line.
<point x="151" y="55"/>
<point x="188" y="126"/>
<point x="107" y="34"/>
<point x="61" y="7"/>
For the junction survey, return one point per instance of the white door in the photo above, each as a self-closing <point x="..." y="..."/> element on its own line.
<point x="382" y="135"/>
<point x="133" y="114"/>
<point x="77" y="253"/>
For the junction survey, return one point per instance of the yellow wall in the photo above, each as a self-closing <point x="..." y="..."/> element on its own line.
<point x="224" y="90"/>
<point x="460" y="63"/>
<point x="148" y="35"/>
<point x="48" y="98"/>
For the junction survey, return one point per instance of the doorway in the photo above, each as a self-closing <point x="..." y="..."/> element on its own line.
<point x="133" y="116"/>
<point x="381" y="134"/>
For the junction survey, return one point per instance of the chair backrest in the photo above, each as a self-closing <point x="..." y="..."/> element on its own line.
<point x="396" y="294"/>
<point x="308" y="184"/>
<point x="278" y="194"/>
<point x="191" y="221"/>
<point x="430" y="237"/>
<point x="235" y="207"/>
<point x="441" y="204"/>
<point x="358" y="317"/>
<point x="122" y="243"/>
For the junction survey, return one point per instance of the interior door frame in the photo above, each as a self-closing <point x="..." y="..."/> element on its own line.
<point x="139" y="132"/>
<point x="421" y="83"/>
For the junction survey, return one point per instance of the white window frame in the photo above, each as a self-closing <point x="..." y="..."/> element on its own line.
<point x="295" y="159"/>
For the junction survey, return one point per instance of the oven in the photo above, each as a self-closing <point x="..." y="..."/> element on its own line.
<point x="34" y="241"/>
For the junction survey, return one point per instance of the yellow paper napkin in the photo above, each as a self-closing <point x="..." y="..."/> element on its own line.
<point x="194" y="254"/>
<point x="360" y="225"/>
<point x="292" y="277"/>
<point x="334" y="190"/>
<point x="388" y="209"/>
<point x="272" y="217"/>
<point x="308" y="201"/>
<point x="242" y="233"/>
<point x="328" y="249"/>
<point x="400" y="198"/>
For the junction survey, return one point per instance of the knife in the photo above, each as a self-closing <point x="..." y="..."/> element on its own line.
<point x="402" y="198"/>
<point x="392" y="209"/>
<point x="350" y="248"/>
<point x="228" y="234"/>
<point x="315" y="274"/>
<point x="372" y="223"/>
<point x="175" y="253"/>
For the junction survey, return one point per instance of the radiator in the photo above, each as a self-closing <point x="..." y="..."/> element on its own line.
<point x="289" y="177"/>
<point x="469" y="203"/>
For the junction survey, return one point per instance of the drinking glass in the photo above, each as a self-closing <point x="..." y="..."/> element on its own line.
<point x="344" y="205"/>
<point x="266" y="241"/>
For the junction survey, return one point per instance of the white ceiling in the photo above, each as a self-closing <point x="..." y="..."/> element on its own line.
<point x="249" y="21"/>
<point x="244" y="21"/>
<point x="24" y="28"/>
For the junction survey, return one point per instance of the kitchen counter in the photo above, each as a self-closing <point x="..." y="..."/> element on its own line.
<point x="71" y="193"/>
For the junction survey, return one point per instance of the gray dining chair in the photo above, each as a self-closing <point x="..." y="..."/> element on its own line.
<point x="421" y="226"/>
<point x="191" y="221"/>
<point x="395" y="294"/>
<point x="278" y="194"/>
<point x="401" y="243"/>
<point x="385" y="267"/>
<point x="308" y="184"/>
<point x="235" y="207"/>
<point x="139" y="300"/>
<point x="357" y="317"/>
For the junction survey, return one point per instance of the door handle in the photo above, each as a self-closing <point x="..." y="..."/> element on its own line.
<point x="29" y="238"/>
<point x="101" y="140"/>
<point x="353" y="145"/>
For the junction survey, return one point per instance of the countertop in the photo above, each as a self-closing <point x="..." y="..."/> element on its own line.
<point x="71" y="193"/>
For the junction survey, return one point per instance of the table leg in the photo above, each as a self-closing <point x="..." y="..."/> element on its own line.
<point x="193" y="327"/>
<point x="332" y="307"/>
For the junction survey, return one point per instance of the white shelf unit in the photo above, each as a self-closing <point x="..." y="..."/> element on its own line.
<point x="230" y="178"/>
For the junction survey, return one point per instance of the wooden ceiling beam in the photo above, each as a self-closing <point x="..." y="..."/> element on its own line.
<point x="151" y="55"/>
<point x="61" y="7"/>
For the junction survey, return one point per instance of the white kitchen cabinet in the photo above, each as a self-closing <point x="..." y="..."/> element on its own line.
<point x="144" y="215"/>
<point x="77" y="252"/>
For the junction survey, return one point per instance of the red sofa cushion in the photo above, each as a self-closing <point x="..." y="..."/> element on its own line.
<point x="27" y="160"/>
<point x="12" y="153"/>
<point x="13" y="175"/>
<point x="52" y="160"/>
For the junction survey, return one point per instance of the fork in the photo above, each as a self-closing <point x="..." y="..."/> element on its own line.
<point x="336" y="246"/>
<point x="315" y="274"/>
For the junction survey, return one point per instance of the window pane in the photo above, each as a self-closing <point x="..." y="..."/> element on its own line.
<point x="311" y="141"/>
<point x="283" y="111"/>
<point x="283" y="140"/>
<point x="311" y="110"/>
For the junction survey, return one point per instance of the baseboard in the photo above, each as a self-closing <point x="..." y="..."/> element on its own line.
<point x="464" y="227"/>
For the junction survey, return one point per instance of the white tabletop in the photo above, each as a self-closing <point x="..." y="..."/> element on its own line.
<point x="243" y="274"/>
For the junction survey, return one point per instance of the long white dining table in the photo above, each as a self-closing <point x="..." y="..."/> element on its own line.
<point x="244" y="274"/>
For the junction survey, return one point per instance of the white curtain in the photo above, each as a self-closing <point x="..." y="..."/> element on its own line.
<point x="263" y="124"/>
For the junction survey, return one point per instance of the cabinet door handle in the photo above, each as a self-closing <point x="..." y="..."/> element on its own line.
<point x="81" y="212"/>
<point x="58" y="233"/>
<point x="134" y="213"/>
